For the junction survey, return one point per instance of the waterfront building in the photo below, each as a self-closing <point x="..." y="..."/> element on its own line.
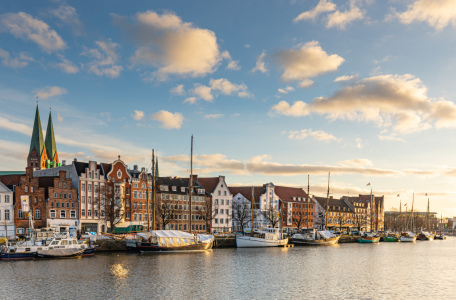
<point x="62" y="204"/>
<point x="141" y="189"/>
<point x="339" y="213"/>
<point x="396" y="221"/>
<point x="7" y="228"/>
<point x="221" y="201"/>
<point x="42" y="153"/>
<point x="376" y="212"/>
<point x="172" y="207"/>
<point x="242" y="207"/>
<point x="361" y="216"/>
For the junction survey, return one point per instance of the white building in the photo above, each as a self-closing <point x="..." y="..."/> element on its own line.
<point x="6" y="212"/>
<point x="221" y="203"/>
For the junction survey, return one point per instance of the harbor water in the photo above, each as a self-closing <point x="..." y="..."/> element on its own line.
<point x="421" y="270"/>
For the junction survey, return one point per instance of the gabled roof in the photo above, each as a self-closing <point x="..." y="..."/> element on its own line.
<point x="106" y="169"/>
<point x="4" y="188"/>
<point x="338" y="203"/>
<point x="246" y="191"/>
<point x="287" y="193"/>
<point x="49" y="143"/>
<point x="178" y="182"/>
<point x="37" y="141"/>
<point x="11" y="180"/>
<point x="209" y="183"/>
<point x="82" y="166"/>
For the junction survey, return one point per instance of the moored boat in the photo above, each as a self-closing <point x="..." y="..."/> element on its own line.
<point x="315" y="238"/>
<point x="389" y="238"/>
<point x="440" y="237"/>
<point x="169" y="241"/>
<point x="369" y="238"/>
<point x="266" y="237"/>
<point x="408" y="237"/>
<point x="425" y="236"/>
<point x="59" y="253"/>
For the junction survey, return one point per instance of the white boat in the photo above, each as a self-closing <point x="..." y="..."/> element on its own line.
<point x="315" y="238"/>
<point x="408" y="237"/>
<point x="169" y="241"/>
<point x="266" y="237"/>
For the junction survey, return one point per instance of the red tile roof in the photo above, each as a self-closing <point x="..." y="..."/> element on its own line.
<point x="208" y="183"/>
<point x="287" y="193"/>
<point x="246" y="191"/>
<point x="10" y="180"/>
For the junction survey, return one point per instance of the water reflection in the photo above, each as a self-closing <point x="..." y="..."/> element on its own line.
<point x="353" y="271"/>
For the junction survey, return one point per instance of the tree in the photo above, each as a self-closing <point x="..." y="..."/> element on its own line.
<point x="241" y="212"/>
<point x="272" y="215"/>
<point x="165" y="212"/>
<point x="360" y="220"/>
<point x="208" y="212"/>
<point x="299" y="219"/>
<point x="113" y="205"/>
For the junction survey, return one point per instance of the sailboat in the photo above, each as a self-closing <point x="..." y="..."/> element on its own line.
<point x="264" y="237"/>
<point x="172" y="240"/>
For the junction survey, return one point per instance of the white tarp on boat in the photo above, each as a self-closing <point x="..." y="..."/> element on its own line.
<point x="173" y="238"/>
<point x="326" y="234"/>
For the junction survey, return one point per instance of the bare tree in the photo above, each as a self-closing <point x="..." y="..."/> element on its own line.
<point x="207" y="212"/>
<point x="112" y="203"/>
<point x="272" y="215"/>
<point x="360" y="220"/>
<point x="299" y="219"/>
<point x="241" y="212"/>
<point x="165" y="212"/>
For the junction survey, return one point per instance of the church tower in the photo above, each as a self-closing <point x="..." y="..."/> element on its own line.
<point x="37" y="155"/>
<point x="50" y="146"/>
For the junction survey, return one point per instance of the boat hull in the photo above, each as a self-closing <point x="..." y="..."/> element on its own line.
<point x="405" y="239"/>
<point x="89" y="251"/>
<point x="145" y="247"/>
<point x="369" y="240"/>
<point x="390" y="239"/>
<point x="255" y="242"/>
<point x="322" y="242"/>
<point x="17" y="255"/>
<point x="59" y="253"/>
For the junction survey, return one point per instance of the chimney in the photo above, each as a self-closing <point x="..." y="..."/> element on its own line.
<point x="143" y="169"/>
<point x="135" y="167"/>
<point x="63" y="162"/>
<point x="75" y="159"/>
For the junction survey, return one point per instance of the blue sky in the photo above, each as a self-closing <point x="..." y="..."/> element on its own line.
<point x="272" y="91"/>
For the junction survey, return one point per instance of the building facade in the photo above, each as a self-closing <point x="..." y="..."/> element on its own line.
<point x="7" y="228"/>
<point x="62" y="205"/>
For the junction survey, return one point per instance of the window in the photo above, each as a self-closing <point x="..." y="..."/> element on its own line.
<point x="227" y="211"/>
<point x="83" y="199"/>
<point x="216" y="221"/>
<point x="60" y="185"/>
<point x="140" y="195"/>
<point x="90" y="199"/>
<point x="60" y="195"/>
<point x="55" y="195"/>
<point x="73" y="214"/>
<point x="89" y="186"/>
<point x="83" y="212"/>
<point x="135" y="205"/>
<point x="216" y="201"/>
<point x="227" y="202"/>
<point x="70" y="196"/>
<point x="135" y="194"/>
<point x="95" y="213"/>
<point x="20" y="214"/>
<point x="62" y="214"/>
<point x="221" y="211"/>
<point x="140" y="217"/>
<point x="31" y="189"/>
<point x="102" y="214"/>
<point x="68" y="204"/>
<point x="221" y="221"/>
<point x="227" y="221"/>
<point x="64" y="195"/>
<point x="83" y="187"/>
<point x="127" y="214"/>
<point x="135" y="217"/>
<point x="37" y="214"/>
<point x="7" y="198"/>
<point x="72" y="205"/>
<point x="223" y="202"/>
<point x="216" y="211"/>
<point x="7" y="214"/>
<point x="26" y="189"/>
<point x="135" y="185"/>
<point x="89" y="213"/>
<point x="219" y="193"/>
<point x="64" y="185"/>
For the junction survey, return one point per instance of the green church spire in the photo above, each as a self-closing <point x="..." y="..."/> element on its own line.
<point x="49" y="143"/>
<point x="37" y="141"/>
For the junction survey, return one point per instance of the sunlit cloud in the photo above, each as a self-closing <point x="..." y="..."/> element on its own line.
<point x="213" y="116"/>
<point x="438" y="14"/>
<point x="169" y="120"/>
<point x="216" y="87"/>
<point x="318" y="135"/>
<point x="104" y="59"/>
<point x="49" y="91"/>
<point x="178" y="90"/>
<point x="346" y="78"/>
<point x="68" y="15"/>
<point x="322" y="7"/>
<point x="66" y="66"/>
<point x="260" y="64"/>
<point x="20" y="61"/>
<point x="26" y="27"/>
<point x="138" y="115"/>
<point x="286" y="90"/>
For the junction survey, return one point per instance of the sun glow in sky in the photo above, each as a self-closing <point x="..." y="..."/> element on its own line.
<point x="272" y="91"/>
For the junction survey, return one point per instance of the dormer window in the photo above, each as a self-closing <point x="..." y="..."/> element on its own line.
<point x="174" y="188"/>
<point x="183" y="189"/>
<point x="201" y="191"/>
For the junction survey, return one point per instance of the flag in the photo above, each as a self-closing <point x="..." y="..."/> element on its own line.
<point x="368" y="184"/>
<point x="398" y="195"/>
<point x="426" y="194"/>
<point x="405" y="204"/>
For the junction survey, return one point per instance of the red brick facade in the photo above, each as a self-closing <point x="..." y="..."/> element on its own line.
<point x="63" y="200"/>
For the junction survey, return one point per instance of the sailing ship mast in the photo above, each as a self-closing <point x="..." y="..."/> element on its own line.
<point x="153" y="188"/>
<point x="253" y="201"/>
<point x="147" y="203"/>
<point x="400" y="216"/>
<point x="307" y="210"/>
<point x="327" y="203"/>
<point x="411" y="221"/>
<point x="427" y="216"/>
<point x="191" y="184"/>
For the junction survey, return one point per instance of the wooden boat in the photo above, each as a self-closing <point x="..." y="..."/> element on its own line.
<point x="348" y="239"/>
<point x="425" y="236"/>
<point x="321" y="238"/>
<point x="59" y="253"/>
<point x="266" y="237"/>
<point x="169" y="241"/>
<point x="440" y="237"/>
<point x="369" y="238"/>
<point x="390" y="238"/>
<point x="408" y="237"/>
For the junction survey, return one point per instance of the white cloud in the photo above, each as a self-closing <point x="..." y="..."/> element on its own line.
<point x="346" y="78"/>
<point x="319" y="135"/>
<point x="342" y="19"/>
<point x="138" y="115"/>
<point x="178" y="90"/>
<point x="286" y="90"/>
<point x="322" y="7"/>
<point x="260" y="64"/>
<point x="359" y="143"/>
<point x="396" y="101"/>
<point x="67" y="14"/>
<point x="438" y="14"/>
<point x="213" y="116"/>
<point x="67" y="66"/>
<point x="306" y="83"/>
<point x="59" y="118"/>
<point x="105" y="59"/>
<point x="217" y="86"/>
<point x="247" y="46"/>
<point x="49" y="91"/>
<point x="169" y="120"/>
<point x="392" y="137"/>
<point x="305" y="62"/>
<point x="20" y="61"/>
<point x="173" y="46"/>
<point x="358" y="162"/>
<point x="233" y="65"/>
<point x="24" y="26"/>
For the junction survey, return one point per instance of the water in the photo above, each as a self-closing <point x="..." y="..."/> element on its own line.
<point x="424" y="270"/>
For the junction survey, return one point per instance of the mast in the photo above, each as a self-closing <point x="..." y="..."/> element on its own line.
<point x="400" y="216"/>
<point x="147" y="203"/>
<point x="427" y="217"/>
<point x="327" y="203"/>
<point x="191" y="184"/>
<point x="411" y="221"/>
<point x="253" y="201"/>
<point x="371" y="208"/>
<point x="307" y="210"/>
<point x="153" y="189"/>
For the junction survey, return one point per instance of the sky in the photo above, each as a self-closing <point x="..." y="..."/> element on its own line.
<point x="272" y="91"/>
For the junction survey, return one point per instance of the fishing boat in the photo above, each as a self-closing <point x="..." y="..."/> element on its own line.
<point x="59" y="253"/>
<point x="169" y="241"/>
<point x="369" y="238"/>
<point x="440" y="237"/>
<point x="425" y="236"/>
<point x="390" y="238"/>
<point x="315" y="238"/>
<point x="408" y="237"/>
<point x="266" y="237"/>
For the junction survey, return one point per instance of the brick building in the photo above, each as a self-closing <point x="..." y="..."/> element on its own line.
<point x="63" y="205"/>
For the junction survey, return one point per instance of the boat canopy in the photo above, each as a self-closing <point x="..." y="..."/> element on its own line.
<point x="173" y="238"/>
<point x="326" y="234"/>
